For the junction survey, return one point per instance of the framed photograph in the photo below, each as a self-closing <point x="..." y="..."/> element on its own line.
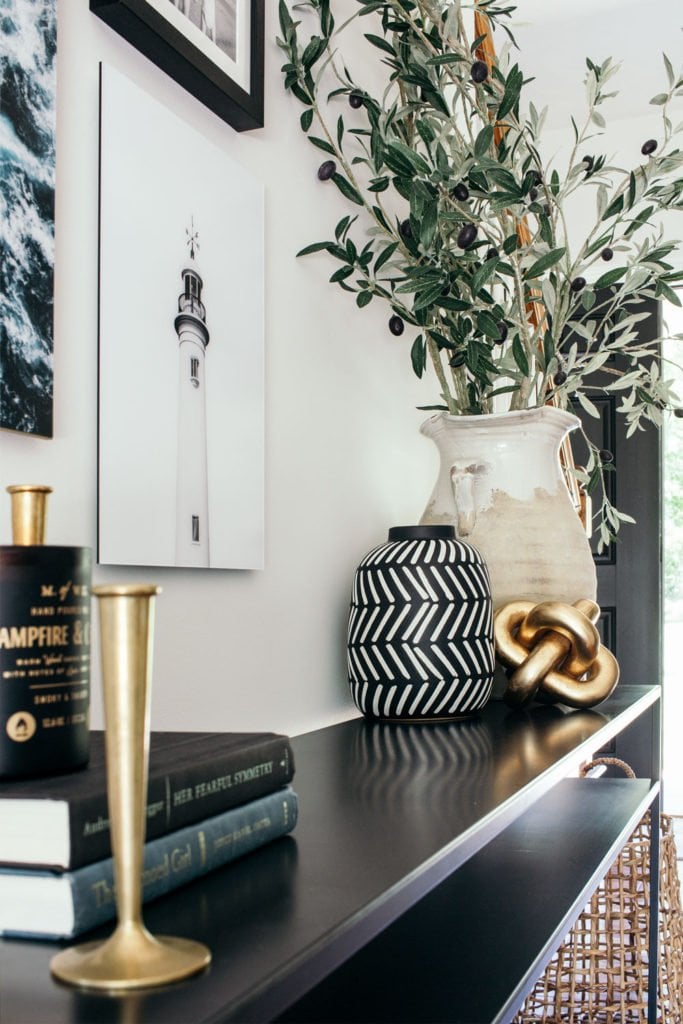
<point x="181" y="342"/>
<point x="213" y="48"/>
<point x="28" y="44"/>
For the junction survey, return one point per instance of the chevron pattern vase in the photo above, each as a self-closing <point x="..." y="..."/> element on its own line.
<point x="420" y="639"/>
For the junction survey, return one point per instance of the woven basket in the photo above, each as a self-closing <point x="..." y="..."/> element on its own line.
<point x="599" y="975"/>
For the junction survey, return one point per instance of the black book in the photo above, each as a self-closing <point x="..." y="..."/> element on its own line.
<point x="62" y="822"/>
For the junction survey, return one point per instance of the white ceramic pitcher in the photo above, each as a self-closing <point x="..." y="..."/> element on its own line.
<point x="501" y="485"/>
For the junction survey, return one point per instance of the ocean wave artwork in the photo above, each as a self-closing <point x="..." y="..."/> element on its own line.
<point x="28" y="45"/>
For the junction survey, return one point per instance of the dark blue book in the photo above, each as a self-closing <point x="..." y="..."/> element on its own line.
<point x="53" y="905"/>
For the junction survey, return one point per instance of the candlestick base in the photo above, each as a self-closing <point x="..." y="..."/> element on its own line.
<point x="131" y="958"/>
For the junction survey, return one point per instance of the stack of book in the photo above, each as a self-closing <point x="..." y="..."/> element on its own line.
<point x="212" y="797"/>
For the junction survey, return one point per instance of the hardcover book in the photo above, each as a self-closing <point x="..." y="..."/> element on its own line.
<point x="52" y="905"/>
<point x="62" y="822"/>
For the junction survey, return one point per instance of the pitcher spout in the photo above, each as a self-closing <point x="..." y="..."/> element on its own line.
<point x="430" y="427"/>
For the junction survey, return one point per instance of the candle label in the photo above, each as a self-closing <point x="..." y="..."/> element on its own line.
<point x="44" y="659"/>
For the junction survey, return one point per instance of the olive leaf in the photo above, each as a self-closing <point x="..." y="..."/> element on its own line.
<point x="459" y="224"/>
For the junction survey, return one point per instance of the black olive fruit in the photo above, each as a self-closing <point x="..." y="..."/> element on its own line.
<point x="466" y="235"/>
<point x="560" y="378"/>
<point x="492" y="253"/>
<point x="578" y="284"/>
<point x="605" y="456"/>
<point x="405" y="229"/>
<point x="461" y="192"/>
<point x="607" y="253"/>
<point x="396" y="325"/>
<point x="479" y="71"/>
<point x="648" y="147"/>
<point x="503" y="332"/>
<point x="355" y="100"/>
<point x="327" y="170"/>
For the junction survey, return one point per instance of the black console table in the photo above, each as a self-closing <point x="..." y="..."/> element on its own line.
<point x="433" y="872"/>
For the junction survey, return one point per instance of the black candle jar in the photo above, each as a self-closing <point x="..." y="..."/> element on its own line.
<point x="44" y="655"/>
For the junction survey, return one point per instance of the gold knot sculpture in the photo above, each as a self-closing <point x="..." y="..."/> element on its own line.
<point x="555" y="653"/>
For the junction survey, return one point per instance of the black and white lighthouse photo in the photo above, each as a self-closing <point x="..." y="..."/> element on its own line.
<point x="181" y="432"/>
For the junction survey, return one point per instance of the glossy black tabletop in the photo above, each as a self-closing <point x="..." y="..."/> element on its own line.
<point x="387" y="812"/>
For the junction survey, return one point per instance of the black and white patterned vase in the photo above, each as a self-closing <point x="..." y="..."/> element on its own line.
<point x="420" y="639"/>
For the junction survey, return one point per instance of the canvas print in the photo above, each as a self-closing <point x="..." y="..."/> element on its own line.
<point x="28" y="44"/>
<point x="181" y="342"/>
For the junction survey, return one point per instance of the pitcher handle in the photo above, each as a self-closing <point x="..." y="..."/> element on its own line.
<point x="462" y="480"/>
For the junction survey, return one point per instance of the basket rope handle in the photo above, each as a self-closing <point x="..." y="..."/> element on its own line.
<point x="616" y="761"/>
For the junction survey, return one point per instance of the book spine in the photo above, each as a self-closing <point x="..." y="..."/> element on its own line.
<point x="189" y="793"/>
<point x="176" y="859"/>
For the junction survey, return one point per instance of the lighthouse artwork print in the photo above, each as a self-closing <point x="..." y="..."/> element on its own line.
<point x="181" y="436"/>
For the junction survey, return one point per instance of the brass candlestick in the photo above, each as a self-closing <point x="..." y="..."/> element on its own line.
<point x="132" y="957"/>
<point x="29" y="513"/>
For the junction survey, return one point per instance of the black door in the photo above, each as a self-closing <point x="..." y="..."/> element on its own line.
<point x="630" y="570"/>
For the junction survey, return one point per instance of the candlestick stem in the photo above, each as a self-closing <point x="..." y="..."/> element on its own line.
<point x="131" y="958"/>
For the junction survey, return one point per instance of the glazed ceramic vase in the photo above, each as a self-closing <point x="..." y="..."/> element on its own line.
<point x="420" y="638"/>
<point x="501" y="485"/>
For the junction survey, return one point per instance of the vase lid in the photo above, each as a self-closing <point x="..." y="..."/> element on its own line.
<point x="422" y="532"/>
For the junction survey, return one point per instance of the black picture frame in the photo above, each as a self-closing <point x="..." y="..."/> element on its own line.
<point x="160" y="41"/>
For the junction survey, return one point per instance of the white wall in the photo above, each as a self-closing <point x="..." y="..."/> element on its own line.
<point x="344" y="459"/>
<point x="555" y="38"/>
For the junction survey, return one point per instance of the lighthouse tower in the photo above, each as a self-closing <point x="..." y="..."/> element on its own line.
<point x="192" y="502"/>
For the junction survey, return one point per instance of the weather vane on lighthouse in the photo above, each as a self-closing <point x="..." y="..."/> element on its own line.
<point x="192" y="238"/>
<point x="192" y="489"/>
